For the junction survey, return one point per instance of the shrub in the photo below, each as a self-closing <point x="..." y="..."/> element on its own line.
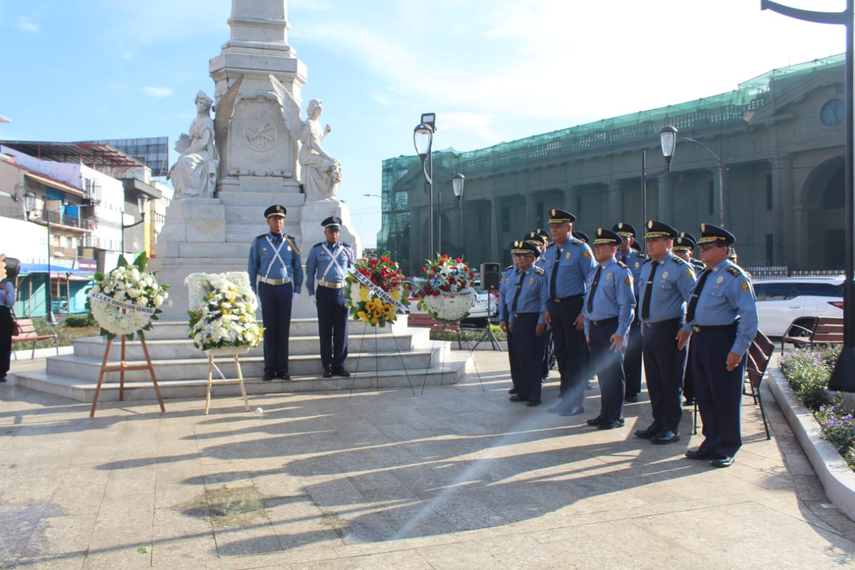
<point x="838" y="427"/>
<point x="81" y="320"/>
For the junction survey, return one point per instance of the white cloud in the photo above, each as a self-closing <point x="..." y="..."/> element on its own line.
<point x="27" y="25"/>
<point x="158" y="91"/>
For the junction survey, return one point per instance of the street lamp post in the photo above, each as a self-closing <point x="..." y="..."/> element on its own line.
<point x="29" y="207"/>
<point x="423" y="141"/>
<point x="142" y="202"/>
<point x="843" y="376"/>
<point x="458" y="181"/>
<point x="719" y="174"/>
<point x="668" y="142"/>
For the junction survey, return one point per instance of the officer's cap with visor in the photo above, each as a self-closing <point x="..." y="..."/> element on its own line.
<point x="276" y="211"/>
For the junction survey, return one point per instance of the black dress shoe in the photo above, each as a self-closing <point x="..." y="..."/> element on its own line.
<point x="518" y="398"/>
<point x="595" y="421"/>
<point x="513" y="391"/>
<point x="267" y="377"/>
<point x="665" y="437"/>
<point x="557" y="409"/>
<point x="722" y="461"/>
<point x="533" y="403"/>
<point x="2" y="379"/>
<point x="701" y="454"/>
<point x="573" y="411"/>
<point x="283" y="376"/>
<point x="341" y="372"/>
<point x="689" y="402"/>
<point x="610" y="424"/>
<point x="327" y="374"/>
<point x="632" y="398"/>
<point x="648" y="433"/>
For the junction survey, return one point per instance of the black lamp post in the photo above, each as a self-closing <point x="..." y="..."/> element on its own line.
<point x="458" y="181"/>
<point x="29" y="207"/>
<point x="423" y="141"/>
<point x="142" y="202"/>
<point x="843" y="376"/>
<point x="668" y="142"/>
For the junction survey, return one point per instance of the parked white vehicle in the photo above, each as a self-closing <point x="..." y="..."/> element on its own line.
<point x="797" y="299"/>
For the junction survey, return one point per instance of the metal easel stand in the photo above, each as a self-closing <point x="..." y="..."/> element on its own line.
<point x="488" y="331"/>
<point x="212" y="365"/>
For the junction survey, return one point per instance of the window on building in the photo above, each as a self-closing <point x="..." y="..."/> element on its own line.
<point x="506" y="218"/>
<point x="768" y="192"/>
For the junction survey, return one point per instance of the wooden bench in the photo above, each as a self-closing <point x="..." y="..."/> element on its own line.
<point x="29" y="334"/>
<point x="824" y="330"/>
<point x="423" y="320"/>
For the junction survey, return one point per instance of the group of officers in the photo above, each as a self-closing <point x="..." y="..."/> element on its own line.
<point x="607" y="307"/>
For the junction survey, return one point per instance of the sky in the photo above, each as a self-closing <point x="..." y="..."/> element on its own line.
<point x="492" y="70"/>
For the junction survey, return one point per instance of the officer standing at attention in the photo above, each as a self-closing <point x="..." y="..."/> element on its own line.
<point x="683" y="248"/>
<point x="666" y="282"/>
<point x="276" y="276"/>
<point x="540" y="242"/>
<point x="505" y="296"/>
<point x="634" y="260"/>
<point x="526" y="323"/>
<point x="608" y="308"/>
<point x="722" y="319"/>
<point x="569" y="261"/>
<point x="330" y="261"/>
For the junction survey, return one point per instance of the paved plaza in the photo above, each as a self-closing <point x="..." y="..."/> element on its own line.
<point x="456" y="477"/>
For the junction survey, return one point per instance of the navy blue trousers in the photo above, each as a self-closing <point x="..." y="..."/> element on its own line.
<point x="632" y="360"/>
<point x="5" y="339"/>
<point x="332" y="327"/>
<point x="718" y="392"/>
<point x="525" y="346"/>
<point x="608" y="366"/>
<point x="570" y="348"/>
<point x="276" y="315"/>
<point x="664" y="366"/>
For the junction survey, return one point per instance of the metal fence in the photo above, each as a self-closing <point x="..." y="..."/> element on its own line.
<point x="782" y="271"/>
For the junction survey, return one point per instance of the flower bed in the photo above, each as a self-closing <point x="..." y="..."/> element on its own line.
<point x="375" y="291"/>
<point x="447" y="294"/>
<point x="807" y="372"/>
<point x="127" y="299"/>
<point x="222" y="312"/>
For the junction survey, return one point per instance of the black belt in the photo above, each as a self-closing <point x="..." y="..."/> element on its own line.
<point x="523" y="314"/>
<point x="663" y="323"/>
<point x="579" y="296"/>
<point x="604" y="322"/>
<point x="710" y="328"/>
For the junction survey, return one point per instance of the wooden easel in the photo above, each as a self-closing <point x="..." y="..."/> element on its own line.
<point x="121" y="368"/>
<point x="211" y="367"/>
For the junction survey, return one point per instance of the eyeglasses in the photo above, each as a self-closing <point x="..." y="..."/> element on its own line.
<point x="707" y="246"/>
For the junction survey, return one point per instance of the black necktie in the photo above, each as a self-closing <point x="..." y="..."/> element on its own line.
<point x="517" y="294"/>
<point x="623" y="259"/>
<point x="594" y="289"/>
<point x="693" y="302"/>
<point x="645" y="303"/>
<point x="554" y="272"/>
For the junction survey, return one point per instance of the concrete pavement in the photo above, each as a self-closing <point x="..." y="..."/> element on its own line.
<point x="457" y="477"/>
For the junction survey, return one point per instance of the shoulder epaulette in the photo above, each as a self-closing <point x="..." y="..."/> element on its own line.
<point x="509" y="267"/>
<point x="344" y="244"/>
<point x="641" y="254"/>
<point x="622" y="264"/>
<point x="577" y="241"/>
<point x="733" y="270"/>
<point x="539" y="270"/>
<point x="679" y="260"/>
<point x="319" y="244"/>
<point x="261" y="236"/>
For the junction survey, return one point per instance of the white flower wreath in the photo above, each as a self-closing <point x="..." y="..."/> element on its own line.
<point x="222" y="312"/>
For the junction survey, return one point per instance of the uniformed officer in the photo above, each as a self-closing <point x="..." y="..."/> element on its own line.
<point x="608" y="308"/>
<point x="526" y="322"/>
<point x="589" y="373"/>
<point x="633" y="259"/>
<point x="331" y="261"/>
<point x="666" y="282"/>
<point x="276" y="276"/>
<point x="582" y="236"/>
<point x="568" y="263"/>
<point x="505" y="296"/>
<point x="547" y="362"/>
<point x="683" y="248"/>
<point x="539" y="242"/>
<point x="722" y="319"/>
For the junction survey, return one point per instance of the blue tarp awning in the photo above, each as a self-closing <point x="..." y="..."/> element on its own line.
<point x="55" y="270"/>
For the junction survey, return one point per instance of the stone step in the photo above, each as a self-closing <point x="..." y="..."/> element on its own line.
<point x="450" y="371"/>
<point x="178" y="330"/>
<point x="171" y="349"/>
<point x="263" y="200"/>
<point x="88" y="368"/>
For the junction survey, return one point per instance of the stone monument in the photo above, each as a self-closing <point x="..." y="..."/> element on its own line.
<point x="267" y="155"/>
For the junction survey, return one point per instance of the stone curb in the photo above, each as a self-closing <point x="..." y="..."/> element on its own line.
<point x="836" y="477"/>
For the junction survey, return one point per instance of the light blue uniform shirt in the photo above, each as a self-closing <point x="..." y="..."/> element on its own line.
<point x="505" y="286"/>
<point x="634" y="260"/>
<point x="264" y="263"/>
<point x="672" y="287"/>
<point x="321" y="263"/>
<point x="613" y="297"/>
<point x="575" y="263"/>
<point x="728" y="294"/>
<point x="533" y="293"/>
<point x="7" y="299"/>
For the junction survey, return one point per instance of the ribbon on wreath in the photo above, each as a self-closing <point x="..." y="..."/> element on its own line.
<point x="379" y="292"/>
<point x="121" y="304"/>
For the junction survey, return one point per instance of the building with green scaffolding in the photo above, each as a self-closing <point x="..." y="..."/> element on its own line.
<point x="780" y="137"/>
